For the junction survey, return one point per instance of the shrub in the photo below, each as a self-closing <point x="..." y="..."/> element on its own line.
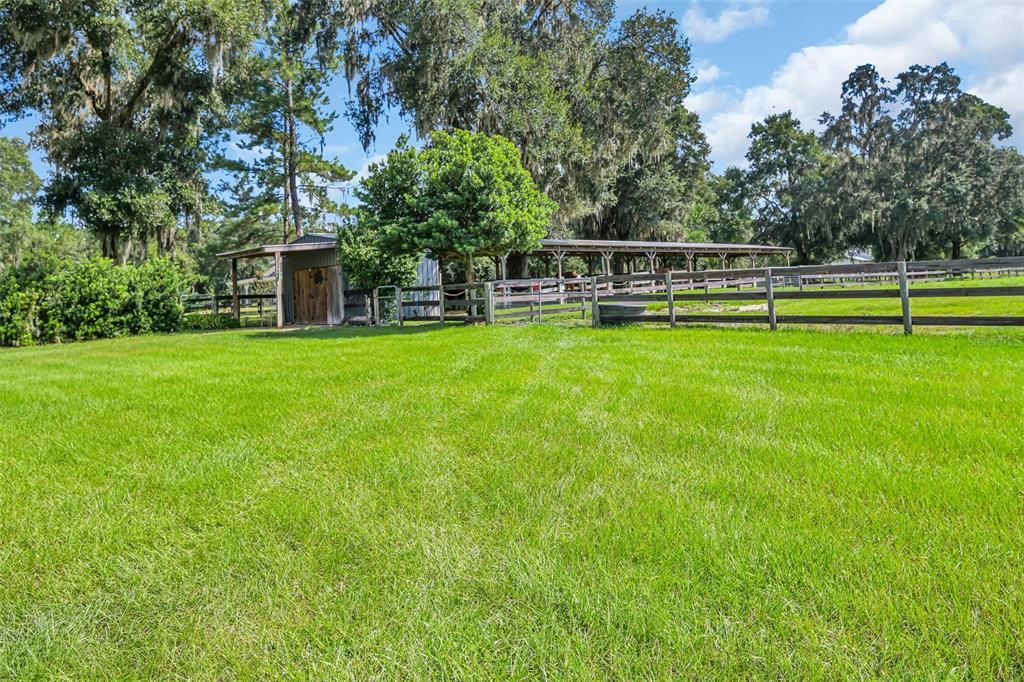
<point x="209" y="321"/>
<point x="63" y="300"/>
<point x="91" y="299"/>
<point x="18" y="308"/>
<point x="159" y="286"/>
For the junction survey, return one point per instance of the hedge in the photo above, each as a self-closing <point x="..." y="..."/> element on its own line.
<point x="62" y="300"/>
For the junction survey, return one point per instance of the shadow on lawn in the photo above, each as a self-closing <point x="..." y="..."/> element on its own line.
<point x="344" y="332"/>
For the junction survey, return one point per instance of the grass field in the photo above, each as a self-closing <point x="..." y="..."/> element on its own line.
<point x="514" y="502"/>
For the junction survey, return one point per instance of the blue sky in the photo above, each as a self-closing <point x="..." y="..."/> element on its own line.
<point x="756" y="57"/>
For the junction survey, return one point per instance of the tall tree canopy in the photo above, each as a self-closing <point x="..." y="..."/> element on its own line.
<point x="464" y="194"/>
<point x="785" y="184"/>
<point x="279" y="111"/>
<point x="595" y="109"/>
<point x="120" y="87"/>
<point x="917" y="163"/>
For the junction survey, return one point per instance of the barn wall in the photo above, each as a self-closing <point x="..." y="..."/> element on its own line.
<point x="328" y="258"/>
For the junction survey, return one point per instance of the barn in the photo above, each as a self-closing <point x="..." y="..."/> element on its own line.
<point x="310" y="282"/>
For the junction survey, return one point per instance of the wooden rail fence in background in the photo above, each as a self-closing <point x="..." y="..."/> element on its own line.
<point x="633" y="308"/>
<point x="615" y="299"/>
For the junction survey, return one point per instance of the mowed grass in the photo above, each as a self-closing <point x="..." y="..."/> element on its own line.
<point x="514" y="502"/>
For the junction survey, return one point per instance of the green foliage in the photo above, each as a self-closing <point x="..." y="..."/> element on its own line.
<point x="209" y="322"/>
<point x="368" y="263"/>
<point x="595" y="106"/>
<point x="464" y="194"/>
<point x="786" y="187"/>
<point x="18" y="311"/>
<point x="732" y="221"/>
<point x="54" y="300"/>
<point x="918" y="170"/>
<point x="120" y="89"/>
<point x="279" y="111"/>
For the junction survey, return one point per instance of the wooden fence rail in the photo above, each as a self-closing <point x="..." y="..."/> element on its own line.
<point x="613" y="299"/>
<point x="619" y="308"/>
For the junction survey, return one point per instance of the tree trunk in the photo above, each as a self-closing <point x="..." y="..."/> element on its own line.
<point x="293" y="182"/>
<point x="957" y="246"/>
<point x="901" y="250"/>
<point x="286" y="208"/>
<point x="470" y="278"/>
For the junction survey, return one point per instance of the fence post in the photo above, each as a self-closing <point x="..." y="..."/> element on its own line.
<point x="489" y="303"/>
<point x="374" y="309"/>
<point x="214" y="306"/>
<point x="901" y="272"/>
<point x="440" y="302"/>
<point x="595" y="309"/>
<point x="769" y="292"/>
<point x="670" y="299"/>
<point x="540" y="303"/>
<point x="399" y="311"/>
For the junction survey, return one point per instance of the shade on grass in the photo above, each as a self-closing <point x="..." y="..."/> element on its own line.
<point x="514" y="502"/>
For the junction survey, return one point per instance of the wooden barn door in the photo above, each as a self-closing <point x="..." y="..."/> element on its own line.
<point x="310" y="296"/>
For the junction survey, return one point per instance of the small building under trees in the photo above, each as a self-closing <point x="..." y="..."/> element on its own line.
<point x="310" y="281"/>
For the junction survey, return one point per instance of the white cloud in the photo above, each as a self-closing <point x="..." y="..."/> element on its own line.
<point x="701" y="27"/>
<point x="707" y="101"/>
<point x="1006" y="90"/>
<point x="892" y="36"/>
<point x="707" y="73"/>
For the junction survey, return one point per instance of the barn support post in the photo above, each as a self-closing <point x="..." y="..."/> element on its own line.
<point x="689" y="261"/>
<point x="236" y="308"/>
<point x="595" y="309"/>
<point x="651" y="255"/>
<point x="279" y="288"/>
<point x="504" y="266"/>
<point x="901" y="271"/>
<point x="560" y="256"/>
<point x="769" y="292"/>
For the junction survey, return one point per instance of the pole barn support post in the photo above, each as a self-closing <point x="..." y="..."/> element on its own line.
<point x="595" y="309"/>
<point x="651" y="255"/>
<point x="279" y="289"/>
<point x="560" y="256"/>
<point x="769" y="292"/>
<point x="236" y="308"/>
<point x="901" y="271"/>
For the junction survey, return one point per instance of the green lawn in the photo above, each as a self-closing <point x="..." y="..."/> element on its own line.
<point x="514" y="502"/>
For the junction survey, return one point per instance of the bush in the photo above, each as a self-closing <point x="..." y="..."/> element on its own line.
<point x="63" y="300"/>
<point x="209" y="321"/>
<point x="18" y="307"/>
<point x="159" y="285"/>
<point x="91" y="299"/>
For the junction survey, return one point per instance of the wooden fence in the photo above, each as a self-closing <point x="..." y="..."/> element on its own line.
<point x="788" y="283"/>
<point x="627" y="298"/>
<point x="253" y="308"/>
